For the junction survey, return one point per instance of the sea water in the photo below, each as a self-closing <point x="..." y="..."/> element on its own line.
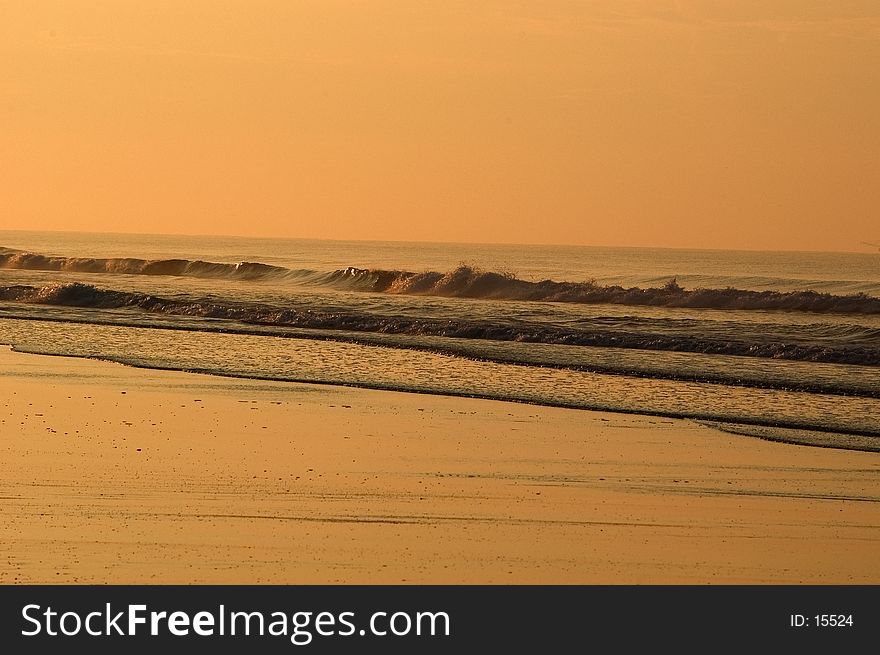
<point x="778" y="345"/>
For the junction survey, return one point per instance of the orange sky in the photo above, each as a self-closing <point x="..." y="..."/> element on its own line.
<point x="740" y="124"/>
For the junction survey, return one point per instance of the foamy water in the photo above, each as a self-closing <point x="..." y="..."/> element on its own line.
<point x="778" y="340"/>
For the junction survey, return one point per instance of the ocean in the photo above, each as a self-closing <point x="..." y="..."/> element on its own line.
<point x="776" y="345"/>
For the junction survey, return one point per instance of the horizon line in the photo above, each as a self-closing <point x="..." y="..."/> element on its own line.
<point x="874" y="250"/>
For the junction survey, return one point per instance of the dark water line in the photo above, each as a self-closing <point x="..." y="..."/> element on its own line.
<point x="90" y="297"/>
<point x="369" y="340"/>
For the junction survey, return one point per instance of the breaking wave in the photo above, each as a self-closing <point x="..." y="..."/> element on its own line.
<point x="471" y="282"/>
<point x="13" y="259"/>
<point x="462" y="282"/>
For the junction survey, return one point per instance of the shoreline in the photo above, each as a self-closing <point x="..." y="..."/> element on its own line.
<point x="786" y="433"/>
<point x="116" y="474"/>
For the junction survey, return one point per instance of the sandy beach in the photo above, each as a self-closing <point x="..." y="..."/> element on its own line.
<point x="113" y="474"/>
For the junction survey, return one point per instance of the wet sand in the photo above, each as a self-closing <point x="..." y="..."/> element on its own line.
<point x="112" y="474"/>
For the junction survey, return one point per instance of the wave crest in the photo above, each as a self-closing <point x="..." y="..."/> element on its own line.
<point x="471" y="282"/>
<point x="462" y="282"/>
<point x="132" y="266"/>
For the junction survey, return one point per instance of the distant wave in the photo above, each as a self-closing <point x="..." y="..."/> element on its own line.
<point x="88" y="296"/>
<point x="13" y="259"/>
<point x="462" y="282"/>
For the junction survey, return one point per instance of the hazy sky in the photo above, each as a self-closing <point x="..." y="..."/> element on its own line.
<point x="740" y="124"/>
